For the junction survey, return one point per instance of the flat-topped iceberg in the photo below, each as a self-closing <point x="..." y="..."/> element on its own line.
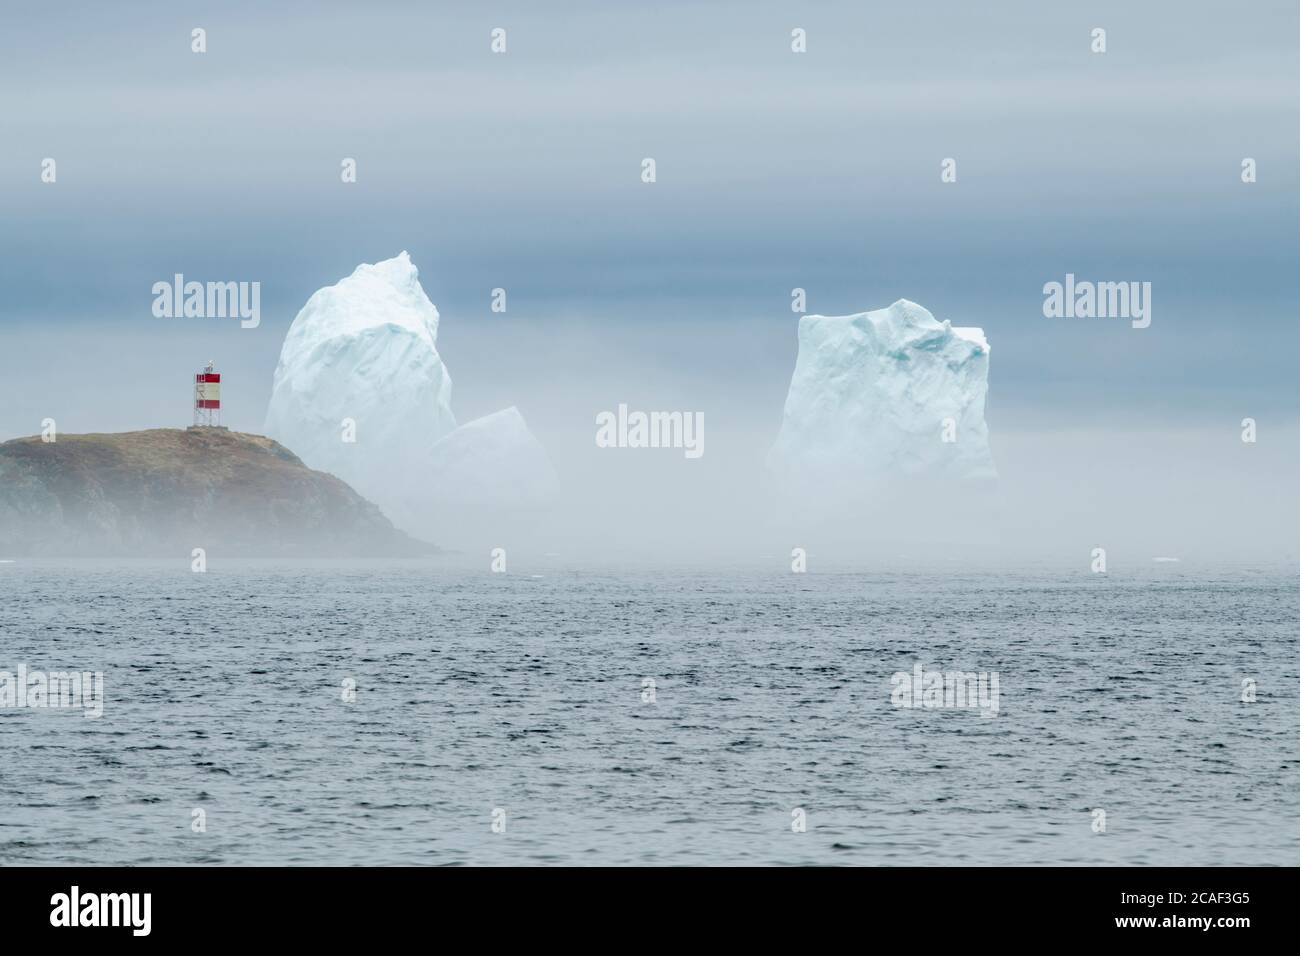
<point x="884" y="394"/>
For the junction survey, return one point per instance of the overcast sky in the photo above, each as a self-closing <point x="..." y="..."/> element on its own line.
<point x="775" y="170"/>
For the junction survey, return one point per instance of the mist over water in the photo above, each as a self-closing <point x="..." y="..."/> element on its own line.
<point x="1141" y="478"/>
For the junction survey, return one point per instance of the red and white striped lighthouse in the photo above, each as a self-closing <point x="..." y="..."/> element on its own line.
<point x="207" y="397"/>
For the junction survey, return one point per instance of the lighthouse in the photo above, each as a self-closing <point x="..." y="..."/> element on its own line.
<point x="207" y="397"/>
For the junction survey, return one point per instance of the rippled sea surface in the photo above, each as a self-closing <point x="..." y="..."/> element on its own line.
<point x="524" y="692"/>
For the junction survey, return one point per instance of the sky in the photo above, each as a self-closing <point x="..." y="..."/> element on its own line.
<point x="775" y="170"/>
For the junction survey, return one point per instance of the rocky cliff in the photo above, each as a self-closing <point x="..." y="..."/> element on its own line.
<point x="166" y="491"/>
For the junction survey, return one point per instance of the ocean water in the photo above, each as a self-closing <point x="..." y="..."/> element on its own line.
<point x="524" y="693"/>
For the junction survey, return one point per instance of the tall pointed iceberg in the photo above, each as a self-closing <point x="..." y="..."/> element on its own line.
<point x="360" y="362"/>
<point x="361" y="392"/>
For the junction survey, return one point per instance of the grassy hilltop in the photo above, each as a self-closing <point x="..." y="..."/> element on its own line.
<point x="167" y="490"/>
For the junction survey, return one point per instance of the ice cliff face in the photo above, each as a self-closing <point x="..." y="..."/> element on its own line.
<point x="361" y="362"/>
<point x="875" y="395"/>
<point x="363" y="351"/>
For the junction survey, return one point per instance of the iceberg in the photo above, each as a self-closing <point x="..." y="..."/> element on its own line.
<point x="885" y="394"/>
<point x="494" y="461"/>
<point x="361" y="392"/>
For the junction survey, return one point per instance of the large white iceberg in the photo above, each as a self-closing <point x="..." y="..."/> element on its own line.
<point x="884" y="394"/>
<point x="361" y="392"/>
